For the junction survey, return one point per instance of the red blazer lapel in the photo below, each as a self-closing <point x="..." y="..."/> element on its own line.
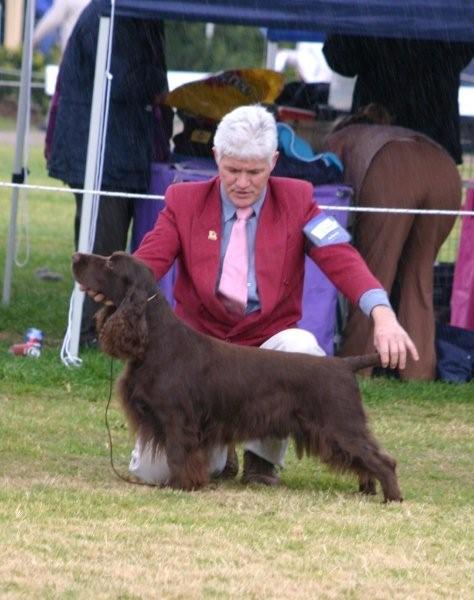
<point x="206" y="231"/>
<point x="205" y="242"/>
<point x="270" y="252"/>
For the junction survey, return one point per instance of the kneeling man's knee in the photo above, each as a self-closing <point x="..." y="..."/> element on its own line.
<point x="295" y="340"/>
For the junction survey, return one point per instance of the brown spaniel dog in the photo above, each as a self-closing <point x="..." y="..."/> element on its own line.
<point x="187" y="392"/>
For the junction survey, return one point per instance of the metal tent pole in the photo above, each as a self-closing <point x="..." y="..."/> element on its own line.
<point x="92" y="164"/>
<point x="19" y="165"/>
<point x="271" y="52"/>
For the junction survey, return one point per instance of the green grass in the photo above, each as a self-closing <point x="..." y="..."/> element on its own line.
<point x="7" y="124"/>
<point x="45" y="232"/>
<point x="70" y="529"/>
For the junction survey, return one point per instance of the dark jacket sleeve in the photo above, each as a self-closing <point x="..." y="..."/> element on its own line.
<point x="138" y="70"/>
<point x="344" y="54"/>
<point x="138" y="64"/>
<point x="138" y="61"/>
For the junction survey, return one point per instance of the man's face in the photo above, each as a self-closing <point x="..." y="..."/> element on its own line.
<point x="244" y="180"/>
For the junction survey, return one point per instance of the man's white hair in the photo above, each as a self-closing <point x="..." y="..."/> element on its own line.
<point x="246" y="133"/>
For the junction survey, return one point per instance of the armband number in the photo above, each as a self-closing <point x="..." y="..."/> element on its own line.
<point x="323" y="230"/>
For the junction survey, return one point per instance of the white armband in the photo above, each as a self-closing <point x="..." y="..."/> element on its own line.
<point x="323" y="230"/>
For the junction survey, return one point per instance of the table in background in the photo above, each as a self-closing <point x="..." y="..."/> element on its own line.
<point x="319" y="295"/>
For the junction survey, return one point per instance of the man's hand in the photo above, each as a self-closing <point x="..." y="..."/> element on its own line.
<point x="390" y="339"/>
<point x="96" y="296"/>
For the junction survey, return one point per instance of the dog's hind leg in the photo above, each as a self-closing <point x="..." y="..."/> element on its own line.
<point x="362" y="456"/>
<point x="369" y="463"/>
<point x="382" y="467"/>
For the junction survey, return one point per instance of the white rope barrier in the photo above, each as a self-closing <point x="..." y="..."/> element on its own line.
<point x="411" y="211"/>
<point x="17" y="84"/>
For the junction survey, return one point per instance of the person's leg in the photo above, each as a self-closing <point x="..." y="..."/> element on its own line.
<point x="113" y="221"/>
<point x="380" y="237"/>
<point x="77" y="219"/>
<point x="153" y="468"/>
<point x="262" y="456"/>
<point x="416" y="310"/>
<point x="405" y="175"/>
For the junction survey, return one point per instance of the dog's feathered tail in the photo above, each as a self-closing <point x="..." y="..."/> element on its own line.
<point x="356" y="363"/>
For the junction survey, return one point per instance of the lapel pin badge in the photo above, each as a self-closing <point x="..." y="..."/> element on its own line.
<point x="212" y="235"/>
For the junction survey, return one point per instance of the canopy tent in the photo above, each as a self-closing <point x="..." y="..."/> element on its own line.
<point x="298" y="19"/>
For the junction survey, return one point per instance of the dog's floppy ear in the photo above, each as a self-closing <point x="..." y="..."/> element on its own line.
<point x="123" y="332"/>
<point x="102" y="315"/>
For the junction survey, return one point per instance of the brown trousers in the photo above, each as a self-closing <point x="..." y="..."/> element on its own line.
<point x="413" y="174"/>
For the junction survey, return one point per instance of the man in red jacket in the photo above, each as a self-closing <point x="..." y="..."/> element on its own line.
<point x="284" y="223"/>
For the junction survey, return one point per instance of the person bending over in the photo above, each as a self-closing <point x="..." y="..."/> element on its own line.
<point x="395" y="167"/>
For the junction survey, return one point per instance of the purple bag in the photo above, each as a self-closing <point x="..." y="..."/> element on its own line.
<point x="320" y="297"/>
<point x="462" y="298"/>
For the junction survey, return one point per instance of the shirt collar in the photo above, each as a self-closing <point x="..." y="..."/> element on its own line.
<point x="229" y="208"/>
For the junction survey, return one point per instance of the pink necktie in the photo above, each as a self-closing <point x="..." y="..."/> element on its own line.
<point x="233" y="283"/>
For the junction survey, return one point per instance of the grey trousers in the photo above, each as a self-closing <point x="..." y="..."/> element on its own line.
<point x="153" y="468"/>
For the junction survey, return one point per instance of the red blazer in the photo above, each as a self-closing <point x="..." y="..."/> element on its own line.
<point x="189" y="229"/>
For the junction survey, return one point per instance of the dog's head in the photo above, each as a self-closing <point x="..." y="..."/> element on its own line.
<point x="126" y="284"/>
<point x="113" y="276"/>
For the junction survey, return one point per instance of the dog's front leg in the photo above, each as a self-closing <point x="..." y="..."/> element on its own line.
<point x="188" y="464"/>
<point x="367" y="484"/>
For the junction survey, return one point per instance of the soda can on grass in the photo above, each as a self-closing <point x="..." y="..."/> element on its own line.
<point x="32" y="344"/>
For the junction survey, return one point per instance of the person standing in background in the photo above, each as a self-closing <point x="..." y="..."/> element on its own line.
<point x="61" y="16"/>
<point x="139" y="80"/>
<point x="41" y="7"/>
<point x="417" y="81"/>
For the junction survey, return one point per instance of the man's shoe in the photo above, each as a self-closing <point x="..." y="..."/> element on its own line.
<point x="259" y="470"/>
<point x="231" y="466"/>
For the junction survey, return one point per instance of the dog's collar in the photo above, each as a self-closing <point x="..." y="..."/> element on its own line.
<point x="151" y="297"/>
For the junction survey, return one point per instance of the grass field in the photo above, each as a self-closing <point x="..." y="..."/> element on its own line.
<point x="70" y="529"/>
